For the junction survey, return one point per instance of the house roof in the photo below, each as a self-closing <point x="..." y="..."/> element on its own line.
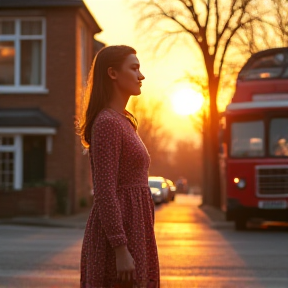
<point x="26" y="117"/>
<point x="40" y="3"/>
<point x="97" y="45"/>
<point x="14" y="4"/>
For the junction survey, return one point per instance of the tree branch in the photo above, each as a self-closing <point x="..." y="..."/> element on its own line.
<point x="226" y="25"/>
<point x="217" y="19"/>
<point x="208" y="9"/>
<point x="233" y="31"/>
<point x="172" y="17"/>
<point x="195" y="16"/>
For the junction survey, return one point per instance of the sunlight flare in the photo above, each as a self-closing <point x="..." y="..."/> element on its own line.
<point x="187" y="101"/>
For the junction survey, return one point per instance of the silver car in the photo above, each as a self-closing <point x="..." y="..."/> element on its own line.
<point x="159" y="189"/>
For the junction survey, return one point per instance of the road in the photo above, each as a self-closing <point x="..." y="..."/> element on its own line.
<point x="193" y="253"/>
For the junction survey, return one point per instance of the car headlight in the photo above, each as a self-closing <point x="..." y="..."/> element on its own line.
<point x="240" y="183"/>
<point x="164" y="185"/>
<point x="155" y="191"/>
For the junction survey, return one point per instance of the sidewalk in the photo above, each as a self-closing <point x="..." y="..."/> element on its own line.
<point x="215" y="218"/>
<point x="77" y="221"/>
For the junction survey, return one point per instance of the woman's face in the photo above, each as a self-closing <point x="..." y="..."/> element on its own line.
<point x="129" y="78"/>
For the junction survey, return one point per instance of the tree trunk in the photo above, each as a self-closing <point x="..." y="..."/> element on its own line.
<point x="214" y="143"/>
<point x="207" y="197"/>
<point x="212" y="192"/>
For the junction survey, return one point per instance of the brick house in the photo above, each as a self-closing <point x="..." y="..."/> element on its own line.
<point x="46" y="48"/>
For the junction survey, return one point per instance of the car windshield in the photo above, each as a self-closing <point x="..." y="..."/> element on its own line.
<point x="155" y="184"/>
<point x="247" y="139"/>
<point x="278" y="139"/>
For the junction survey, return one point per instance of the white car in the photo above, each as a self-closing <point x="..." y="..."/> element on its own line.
<point x="162" y="186"/>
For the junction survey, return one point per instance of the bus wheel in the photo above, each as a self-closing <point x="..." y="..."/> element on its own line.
<point x="240" y="224"/>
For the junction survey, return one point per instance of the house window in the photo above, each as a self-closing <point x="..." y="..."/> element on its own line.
<point x="22" y="160"/>
<point x="7" y="163"/>
<point x="22" y="55"/>
<point x="10" y="162"/>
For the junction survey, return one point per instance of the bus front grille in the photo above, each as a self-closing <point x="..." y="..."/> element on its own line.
<point x="272" y="180"/>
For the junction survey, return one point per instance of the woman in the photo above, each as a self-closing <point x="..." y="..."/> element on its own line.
<point x="119" y="247"/>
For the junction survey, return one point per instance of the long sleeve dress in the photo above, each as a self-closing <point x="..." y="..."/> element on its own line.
<point x="123" y="209"/>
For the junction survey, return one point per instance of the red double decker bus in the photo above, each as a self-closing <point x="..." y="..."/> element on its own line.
<point x="254" y="154"/>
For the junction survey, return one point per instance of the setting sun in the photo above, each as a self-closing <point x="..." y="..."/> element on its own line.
<point x="187" y="101"/>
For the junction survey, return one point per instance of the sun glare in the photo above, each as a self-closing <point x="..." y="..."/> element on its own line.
<point x="187" y="101"/>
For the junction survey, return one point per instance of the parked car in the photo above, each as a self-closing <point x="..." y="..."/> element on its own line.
<point x="172" y="188"/>
<point x="182" y="185"/>
<point x="161" y="184"/>
<point x="156" y="195"/>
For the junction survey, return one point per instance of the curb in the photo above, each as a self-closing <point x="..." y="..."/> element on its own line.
<point x="216" y="217"/>
<point x="41" y="223"/>
<point x="77" y="221"/>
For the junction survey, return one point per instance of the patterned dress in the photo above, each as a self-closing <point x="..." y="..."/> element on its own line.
<point x="123" y="209"/>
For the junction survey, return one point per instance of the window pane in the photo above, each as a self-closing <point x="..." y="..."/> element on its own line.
<point x="6" y="170"/>
<point x="31" y="27"/>
<point x="247" y="139"/>
<point x="278" y="137"/>
<point x="155" y="184"/>
<point x="31" y="55"/>
<point x="270" y="66"/>
<point x="7" y="27"/>
<point x="7" y="59"/>
<point x="285" y="75"/>
<point x="6" y="140"/>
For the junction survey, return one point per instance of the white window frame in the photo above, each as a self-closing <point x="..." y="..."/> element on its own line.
<point x="17" y="37"/>
<point x="16" y="148"/>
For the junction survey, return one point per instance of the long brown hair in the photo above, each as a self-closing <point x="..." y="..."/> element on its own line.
<point x="98" y="91"/>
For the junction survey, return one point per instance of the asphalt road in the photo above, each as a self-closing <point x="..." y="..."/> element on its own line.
<point x="193" y="251"/>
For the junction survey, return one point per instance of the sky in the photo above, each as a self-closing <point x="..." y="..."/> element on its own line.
<point x="164" y="71"/>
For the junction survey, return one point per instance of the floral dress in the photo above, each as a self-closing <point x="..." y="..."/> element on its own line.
<point x="123" y="209"/>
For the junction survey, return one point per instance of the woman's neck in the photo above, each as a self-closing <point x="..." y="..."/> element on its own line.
<point x="118" y="103"/>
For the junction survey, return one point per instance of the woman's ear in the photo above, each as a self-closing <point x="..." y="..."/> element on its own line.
<point x="112" y="73"/>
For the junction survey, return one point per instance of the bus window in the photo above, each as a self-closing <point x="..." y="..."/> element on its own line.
<point x="270" y="66"/>
<point x="247" y="139"/>
<point x="285" y="75"/>
<point x="278" y="137"/>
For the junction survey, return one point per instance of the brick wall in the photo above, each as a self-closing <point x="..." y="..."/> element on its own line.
<point x="31" y="201"/>
<point x="66" y="161"/>
<point x="83" y="183"/>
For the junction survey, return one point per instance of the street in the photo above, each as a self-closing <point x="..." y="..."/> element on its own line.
<point x="193" y="252"/>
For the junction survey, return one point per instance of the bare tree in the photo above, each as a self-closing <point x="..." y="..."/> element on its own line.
<point x="271" y="33"/>
<point x="281" y="11"/>
<point x="187" y="162"/>
<point x="211" y="25"/>
<point x="155" y="137"/>
<point x="184" y="159"/>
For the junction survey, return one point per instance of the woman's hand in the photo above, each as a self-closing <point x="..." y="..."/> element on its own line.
<point x="125" y="264"/>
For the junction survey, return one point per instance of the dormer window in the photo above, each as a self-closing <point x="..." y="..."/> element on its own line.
<point x="22" y="55"/>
